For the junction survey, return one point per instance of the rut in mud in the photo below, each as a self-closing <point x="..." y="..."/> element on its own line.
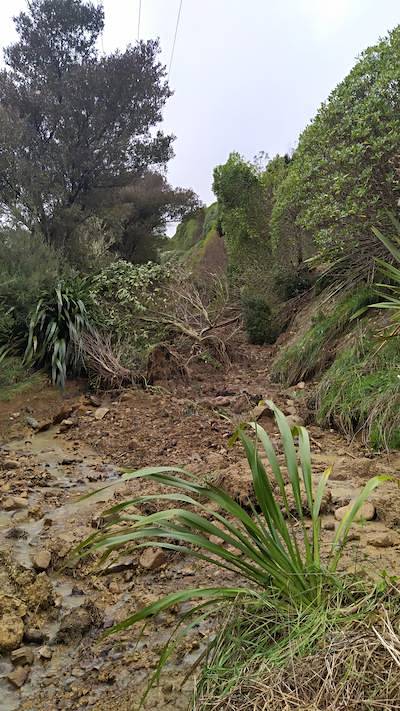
<point x="56" y="611"/>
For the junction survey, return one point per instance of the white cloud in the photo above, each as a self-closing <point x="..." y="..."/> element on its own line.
<point x="328" y="16"/>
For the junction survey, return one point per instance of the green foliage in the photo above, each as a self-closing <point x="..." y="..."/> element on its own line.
<point x="343" y="173"/>
<point x="361" y="392"/>
<point x="58" y="321"/>
<point x="313" y="352"/>
<point x="77" y="129"/>
<point x="15" y="377"/>
<point x="275" y="552"/>
<point x="27" y="267"/>
<point x="123" y="292"/>
<point x="189" y="232"/>
<point x="293" y="283"/>
<point x="390" y="290"/>
<point x="258" y="320"/>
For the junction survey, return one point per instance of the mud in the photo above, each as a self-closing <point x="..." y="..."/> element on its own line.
<point x="68" y="607"/>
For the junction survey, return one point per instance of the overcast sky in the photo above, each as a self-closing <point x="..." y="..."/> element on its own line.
<point x="248" y="75"/>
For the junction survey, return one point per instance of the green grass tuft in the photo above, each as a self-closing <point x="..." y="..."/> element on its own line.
<point x="361" y="392"/>
<point x="312" y="353"/>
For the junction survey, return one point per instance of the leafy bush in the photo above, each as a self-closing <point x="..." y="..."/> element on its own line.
<point x="293" y="283"/>
<point x="343" y="173"/>
<point x="258" y="320"/>
<point x="390" y="291"/>
<point x="361" y="392"/>
<point x="314" y="351"/>
<point x="56" y="325"/>
<point x="275" y="553"/>
<point x="27" y="267"/>
<point x="122" y="292"/>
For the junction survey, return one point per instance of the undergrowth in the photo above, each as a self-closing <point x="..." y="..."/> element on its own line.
<point x="314" y="351"/>
<point x="361" y="391"/>
<point x="15" y="377"/>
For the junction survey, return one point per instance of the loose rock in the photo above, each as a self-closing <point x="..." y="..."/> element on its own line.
<point x="383" y="540"/>
<point x="101" y="412"/>
<point x="152" y="558"/>
<point x="365" y="513"/>
<point x="74" y="624"/>
<point x="22" y="656"/>
<point x="41" y="559"/>
<point x="45" y="652"/>
<point x="9" y="464"/>
<point x="11" y="632"/>
<point x="15" y="503"/>
<point x="19" y="676"/>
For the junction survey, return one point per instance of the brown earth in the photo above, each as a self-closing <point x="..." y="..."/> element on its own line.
<point x="57" y="612"/>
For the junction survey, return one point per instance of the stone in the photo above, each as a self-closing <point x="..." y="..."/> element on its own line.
<point x="45" y="652"/>
<point x="74" y="625"/>
<point x="300" y="386"/>
<point x="365" y="513"/>
<point x="9" y="464"/>
<point x="15" y="503"/>
<point x="19" y="676"/>
<point x="294" y="421"/>
<point x="382" y="540"/>
<point x="122" y="564"/>
<point x="11" y="632"/>
<point x="22" y="656"/>
<point x="152" y="558"/>
<point x="32" y="422"/>
<point x="101" y="412"/>
<point x="41" y="559"/>
<point x="328" y="526"/>
<point x="34" y="636"/>
<point x="240" y="404"/>
<point x="65" y="425"/>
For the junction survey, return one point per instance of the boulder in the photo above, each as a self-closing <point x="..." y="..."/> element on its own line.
<point x="101" y="412"/>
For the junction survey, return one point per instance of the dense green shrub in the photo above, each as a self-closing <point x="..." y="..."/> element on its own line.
<point x="343" y="173"/>
<point x="122" y="292"/>
<point x="361" y="391"/>
<point x="258" y="319"/>
<point x="27" y="267"/>
<point x="293" y="283"/>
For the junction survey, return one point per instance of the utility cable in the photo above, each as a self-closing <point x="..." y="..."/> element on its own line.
<point x="175" y="36"/>
<point x="138" y="24"/>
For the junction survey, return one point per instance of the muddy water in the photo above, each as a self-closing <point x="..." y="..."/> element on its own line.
<point x="75" y="470"/>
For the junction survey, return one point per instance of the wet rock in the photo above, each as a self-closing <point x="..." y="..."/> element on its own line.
<point x="22" y="656"/>
<point x="45" y="652"/>
<point x="11" y="632"/>
<point x="74" y="625"/>
<point x="383" y="540"/>
<point x="366" y="512"/>
<point x="15" y="503"/>
<point x="39" y="595"/>
<point x="32" y="422"/>
<point x="16" y="534"/>
<point x="9" y="464"/>
<point x="300" y="386"/>
<point x="34" y="636"/>
<point x="101" y="412"/>
<point x="66" y="425"/>
<point x="12" y="605"/>
<point x="19" y="676"/>
<point x="152" y="558"/>
<point x="41" y="559"/>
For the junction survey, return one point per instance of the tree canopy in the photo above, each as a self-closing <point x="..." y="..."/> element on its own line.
<point x="75" y="124"/>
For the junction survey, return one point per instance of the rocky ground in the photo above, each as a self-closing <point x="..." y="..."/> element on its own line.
<point x="54" y="613"/>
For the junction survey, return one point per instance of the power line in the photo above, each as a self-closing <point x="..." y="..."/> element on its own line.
<point x="139" y="13"/>
<point x="175" y="36"/>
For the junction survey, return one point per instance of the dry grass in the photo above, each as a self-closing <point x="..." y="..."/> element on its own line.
<point x="358" y="669"/>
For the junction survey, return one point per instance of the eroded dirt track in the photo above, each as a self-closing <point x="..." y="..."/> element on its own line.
<point x="58" y="611"/>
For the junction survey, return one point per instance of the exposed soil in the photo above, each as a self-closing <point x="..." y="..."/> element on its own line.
<point x="56" y="448"/>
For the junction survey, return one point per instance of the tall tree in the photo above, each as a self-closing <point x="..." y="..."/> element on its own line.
<point x="74" y="124"/>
